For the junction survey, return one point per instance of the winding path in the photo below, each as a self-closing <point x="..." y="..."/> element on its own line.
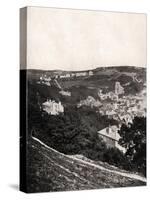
<point x="128" y="175"/>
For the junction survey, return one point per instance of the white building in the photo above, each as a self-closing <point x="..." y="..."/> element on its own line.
<point x="45" y="80"/>
<point x="67" y="75"/>
<point x="52" y="107"/>
<point x="111" y="137"/>
<point x="118" y="88"/>
<point x="89" y="101"/>
<point x="81" y="74"/>
<point x="65" y="93"/>
<point x="62" y="76"/>
<point x="90" y="73"/>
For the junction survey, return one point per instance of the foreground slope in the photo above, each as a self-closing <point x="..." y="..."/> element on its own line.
<point x="50" y="170"/>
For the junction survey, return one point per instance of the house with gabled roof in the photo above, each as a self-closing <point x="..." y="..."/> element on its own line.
<point x="111" y="137"/>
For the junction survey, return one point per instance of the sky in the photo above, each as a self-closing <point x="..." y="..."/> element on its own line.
<point x="70" y="39"/>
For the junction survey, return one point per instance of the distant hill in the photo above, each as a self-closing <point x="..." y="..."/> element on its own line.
<point x="49" y="170"/>
<point x="131" y="78"/>
<point x="101" y="72"/>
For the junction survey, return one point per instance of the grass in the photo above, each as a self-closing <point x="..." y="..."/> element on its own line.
<point x="48" y="170"/>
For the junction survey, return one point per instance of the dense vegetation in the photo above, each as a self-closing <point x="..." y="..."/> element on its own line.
<point x="74" y="132"/>
<point x="133" y="137"/>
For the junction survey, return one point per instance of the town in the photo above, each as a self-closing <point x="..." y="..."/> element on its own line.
<point x="114" y="104"/>
<point x="123" y="108"/>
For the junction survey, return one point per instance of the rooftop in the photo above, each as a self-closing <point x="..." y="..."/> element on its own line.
<point x="110" y="132"/>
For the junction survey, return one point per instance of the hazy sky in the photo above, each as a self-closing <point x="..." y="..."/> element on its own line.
<point x="78" y="40"/>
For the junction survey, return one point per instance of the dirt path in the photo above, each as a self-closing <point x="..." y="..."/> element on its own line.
<point x="128" y="175"/>
<point x="86" y="163"/>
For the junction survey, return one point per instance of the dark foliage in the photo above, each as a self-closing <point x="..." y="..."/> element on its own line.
<point x="74" y="132"/>
<point x="133" y="137"/>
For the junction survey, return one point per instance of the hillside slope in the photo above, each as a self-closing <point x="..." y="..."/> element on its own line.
<point x="50" y="170"/>
<point x="131" y="78"/>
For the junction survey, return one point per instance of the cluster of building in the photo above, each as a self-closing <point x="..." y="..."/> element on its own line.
<point x="52" y="107"/>
<point x="76" y="74"/>
<point x="114" y="96"/>
<point x="124" y="109"/>
<point x="117" y="106"/>
<point x="45" y="78"/>
<point x="120" y="107"/>
<point x="89" y="101"/>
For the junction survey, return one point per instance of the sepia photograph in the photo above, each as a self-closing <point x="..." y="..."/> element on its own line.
<point x="83" y="99"/>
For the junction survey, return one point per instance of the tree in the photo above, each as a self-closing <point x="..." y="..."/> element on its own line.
<point x="133" y="138"/>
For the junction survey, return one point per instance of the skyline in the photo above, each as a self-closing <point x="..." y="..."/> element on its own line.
<point x="42" y="69"/>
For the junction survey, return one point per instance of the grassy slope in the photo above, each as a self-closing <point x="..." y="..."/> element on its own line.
<point x="48" y="170"/>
